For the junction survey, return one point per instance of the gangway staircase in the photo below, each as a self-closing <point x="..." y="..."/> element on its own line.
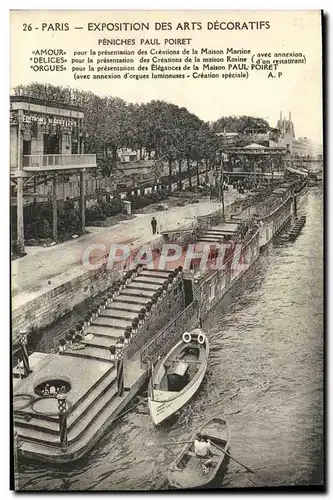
<point x="93" y="399"/>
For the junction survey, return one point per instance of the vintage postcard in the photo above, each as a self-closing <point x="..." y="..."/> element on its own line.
<point x="166" y="198"/>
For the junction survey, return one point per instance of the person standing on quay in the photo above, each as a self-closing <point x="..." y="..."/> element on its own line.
<point x="153" y="225"/>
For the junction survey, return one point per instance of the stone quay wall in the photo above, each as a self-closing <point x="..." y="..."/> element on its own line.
<point x="73" y="288"/>
<point x="45" y="307"/>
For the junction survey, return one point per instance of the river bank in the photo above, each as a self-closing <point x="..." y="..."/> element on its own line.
<point x="265" y="374"/>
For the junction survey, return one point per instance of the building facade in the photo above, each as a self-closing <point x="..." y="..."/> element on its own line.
<point x="46" y="144"/>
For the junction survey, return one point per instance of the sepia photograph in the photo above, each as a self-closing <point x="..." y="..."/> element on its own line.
<point x="166" y="225"/>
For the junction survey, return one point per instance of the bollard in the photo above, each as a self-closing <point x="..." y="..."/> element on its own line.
<point x="135" y="326"/>
<point x="89" y="317"/>
<point x="95" y="312"/>
<point x="141" y="318"/>
<point x="86" y="322"/>
<point x="62" y="412"/>
<point x="69" y="339"/>
<point x="62" y="345"/>
<point x="112" y="350"/>
<point x="78" y="330"/>
<point x="148" y="309"/>
<point x="110" y="297"/>
<point x="120" y="366"/>
<point x="154" y="302"/>
<point x="127" y="335"/>
<point x="24" y="353"/>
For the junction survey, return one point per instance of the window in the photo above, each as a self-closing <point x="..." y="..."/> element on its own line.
<point x="75" y="147"/>
<point x="52" y="144"/>
<point x="26" y="148"/>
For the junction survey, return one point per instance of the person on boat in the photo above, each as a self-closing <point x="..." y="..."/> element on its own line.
<point x="202" y="449"/>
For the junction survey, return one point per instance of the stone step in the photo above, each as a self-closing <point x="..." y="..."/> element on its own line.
<point x="95" y="428"/>
<point x="156" y="274"/>
<point x="109" y="375"/>
<point x="119" y="314"/>
<point x="215" y="231"/>
<point x="104" y="331"/>
<point x="130" y="299"/>
<point x="149" y="279"/>
<point x="212" y="233"/>
<point x="165" y="271"/>
<point x="125" y="306"/>
<point x="137" y="293"/>
<point x="142" y="286"/>
<point x="108" y="383"/>
<point x="88" y="353"/>
<point x="81" y="424"/>
<point x="216" y="237"/>
<point x="118" y="324"/>
<point x="100" y="342"/>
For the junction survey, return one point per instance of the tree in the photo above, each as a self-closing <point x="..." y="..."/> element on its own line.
<point x="241" y="124"/>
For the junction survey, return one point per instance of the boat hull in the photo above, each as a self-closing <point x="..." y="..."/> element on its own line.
<point x="162" y="410"/>
<point x="164" y="403"/>
<point x="186" y="471"/>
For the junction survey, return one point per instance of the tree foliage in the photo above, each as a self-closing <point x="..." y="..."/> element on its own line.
<point x="168" y="131"/>
<point x="241" y="124"/>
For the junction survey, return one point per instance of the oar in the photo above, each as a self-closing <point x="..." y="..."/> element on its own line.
<point x="127" y="411"/>
<point x="233" y="458"/>
<point x="167" y="443"/>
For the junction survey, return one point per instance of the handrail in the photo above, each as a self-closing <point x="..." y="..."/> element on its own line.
<point x="58" y="160"/>
<point x="276" y="209"/>
<point x="46" y="102"/>
<point x="145" y="352"/>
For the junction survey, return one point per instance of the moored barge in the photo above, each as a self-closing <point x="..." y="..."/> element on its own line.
<point x="72" y="397"/>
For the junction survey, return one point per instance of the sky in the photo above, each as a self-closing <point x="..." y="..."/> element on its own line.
<point x="299" y="88"/>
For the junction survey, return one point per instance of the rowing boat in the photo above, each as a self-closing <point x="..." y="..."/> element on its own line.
<point x="187" y="470"/>
<point x="178" y="375"/>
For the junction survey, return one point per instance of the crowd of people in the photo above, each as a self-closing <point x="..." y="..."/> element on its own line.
<point x="244" y="185"/>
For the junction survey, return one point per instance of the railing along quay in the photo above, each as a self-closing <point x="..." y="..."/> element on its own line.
<point x="168" y="336"/>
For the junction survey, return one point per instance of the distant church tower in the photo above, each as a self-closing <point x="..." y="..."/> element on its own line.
<point x="286" y="127"/>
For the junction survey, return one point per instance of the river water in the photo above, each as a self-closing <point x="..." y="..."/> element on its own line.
<point x="265" y="374"/>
